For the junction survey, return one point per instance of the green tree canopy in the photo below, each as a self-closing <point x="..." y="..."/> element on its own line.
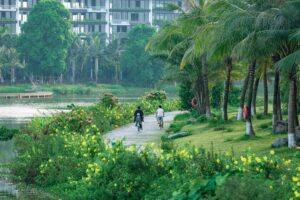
<point x="136" y="64"/>
<point x="45" y="38"/>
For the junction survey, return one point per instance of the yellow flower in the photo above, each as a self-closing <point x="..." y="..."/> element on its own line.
<point x="297" y="194"/>
<point x="83" y="143"/>
<point x="272" y="152"/>
<point x="298" y="184"/>
<point x="265" y="158"/>
<point x="287" y="162"/>
<point x="235" y="162"/>
<point x="218" y="161"/>
<point x="227" y="166"/>
<point x="243" y="159"/>
<point x="295" y="179"/>
<point x="258" y="160"/>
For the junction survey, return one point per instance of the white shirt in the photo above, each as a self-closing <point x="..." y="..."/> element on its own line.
<point x="160" y="112"/>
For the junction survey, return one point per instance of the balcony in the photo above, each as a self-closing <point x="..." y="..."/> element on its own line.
<point x="89" y="21"/>
<point x="129" y="10"/>
<point x="8" y="21"/>
<point x="96" y="9"/>
<point x="8" y="7"/>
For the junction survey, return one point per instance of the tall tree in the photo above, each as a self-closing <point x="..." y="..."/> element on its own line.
<point x="9" y="59"/>
<point x="46" y="37"/>
<point x="137" y="67"/>
<point x="95" y="50"/>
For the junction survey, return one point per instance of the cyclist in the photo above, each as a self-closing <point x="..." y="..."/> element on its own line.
<point x="139" y="112"/>
<point x="160" y="113"/>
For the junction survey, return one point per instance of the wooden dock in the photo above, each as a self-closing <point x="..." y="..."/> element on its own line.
<point x="27" y="95"/>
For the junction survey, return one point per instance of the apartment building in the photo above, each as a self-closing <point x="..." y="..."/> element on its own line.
<point x="109" y="17"/>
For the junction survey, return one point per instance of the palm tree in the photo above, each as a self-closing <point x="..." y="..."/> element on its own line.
<point x="95" y="50"/>
<point x="83" y="53"/>
<point x="73" y="55"/>
<point x="10" y="59"/>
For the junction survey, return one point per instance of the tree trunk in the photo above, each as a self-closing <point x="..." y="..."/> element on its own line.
<point x="275" y="117"/>
<point x="116" y="74"/>
<point x="61" y="78"/>
<point x="228" y="62"/>
<point x="254" y="95"/>
<point x="1" y="77"/>
<point x="198" y="94"/>
<point x="266" y="97"/>
<point x="243" y="95"/>
<point x="291" y="112"/>
<point x="296" y="102"/>
<point x="96" y="69"/>
<point x="249" y="127"/>
<point x="73" y="71"/>
<point x="279" y="103"/>
<point x="91" y="74"/>
<point x="12" y="75"/>
<point x="205" y="85"/>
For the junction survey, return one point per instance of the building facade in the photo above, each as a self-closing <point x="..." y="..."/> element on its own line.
<point x="109" y="17"/>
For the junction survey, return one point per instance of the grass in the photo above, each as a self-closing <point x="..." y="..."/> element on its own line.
<point x="230" y="136"/>
<point x="85" y="89"/>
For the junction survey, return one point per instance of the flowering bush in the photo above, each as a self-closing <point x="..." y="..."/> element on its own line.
<point x="66" y="155"/>
<point x="160" y="96"/>
<point x="109" y="100"/>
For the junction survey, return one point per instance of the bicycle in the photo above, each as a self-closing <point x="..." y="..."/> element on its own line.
<point x="160" y="122"/>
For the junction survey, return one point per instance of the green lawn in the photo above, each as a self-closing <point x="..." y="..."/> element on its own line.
<point x="230" y="136"/>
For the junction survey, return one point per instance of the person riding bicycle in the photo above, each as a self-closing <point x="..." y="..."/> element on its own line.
<point x="139" y="113"/>
<point x="160" y="113"/>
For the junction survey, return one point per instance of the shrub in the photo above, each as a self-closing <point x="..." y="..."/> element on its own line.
<point x="159" y="96"/>
<point x="216" y="94"/>
<point x="109" y="100"/>
<point x="185" y="95"/>
<point x="234" y="96"/>
<point x="248" y="188"/>
<point x="7" y="134"/>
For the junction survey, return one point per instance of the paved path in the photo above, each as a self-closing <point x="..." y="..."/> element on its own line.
<point x="150" y="133"/>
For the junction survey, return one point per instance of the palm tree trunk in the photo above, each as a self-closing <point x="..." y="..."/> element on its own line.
<point x="12" y="75"/>
<point x="96" y="69"/>
<point x="279" y="103"/>
<point x="275" y="117"/>
<point x="291" y="112"/>
<point x="73" y="72"/>
<point x="1" y="77"/>
<point x="243" y="96"/>
<point x="266" y="97"/>
<point x="205" y="85"/>
<point x="249" y="127"/>
<point x="228" y="62"/>
<point x="255" y="88"/>
<point x="296" y="102"/>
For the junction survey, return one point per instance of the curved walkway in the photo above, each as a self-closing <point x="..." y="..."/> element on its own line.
<point x="150" y="133"/>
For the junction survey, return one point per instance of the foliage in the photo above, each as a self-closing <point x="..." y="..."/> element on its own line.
<point x="73" y="163"/>
<point x="217" y="94"/>
<point x="138" y="69"/>
<point x="186" y="95"/>
<point x="48" y="19"/>
<point x="7" y="134"/>
<point x="109" y="100"/>
<point x="159" y="96"/>
<point x="234" y="96"/>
